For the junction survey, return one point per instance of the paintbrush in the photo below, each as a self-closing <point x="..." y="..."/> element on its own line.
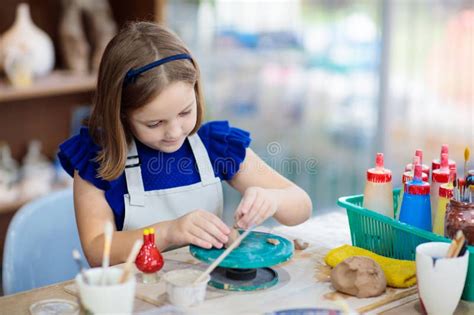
<point x="387" y="299"/>
<point x="77" y="258"/>
<point x="456" y="244"/>
<point x="455" y="189"/>
<point x="462" y="249"/>
<point x="461" y="185"/>
<point x="467" y="153"/>
<point x="108" y="231"/>
<point x="224" y="254"/>
<point x="131" y="258"/>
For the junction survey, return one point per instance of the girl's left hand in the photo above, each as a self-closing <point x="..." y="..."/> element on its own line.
<point x="257" y="205"/>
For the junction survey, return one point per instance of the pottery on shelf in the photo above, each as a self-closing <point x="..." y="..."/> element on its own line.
<point x="25" y="50"/>
<point x="80" y="55"/>
<point x="37" y="172"/>
<point x="8" y="175"/>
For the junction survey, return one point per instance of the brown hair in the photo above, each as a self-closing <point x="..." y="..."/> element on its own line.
<point x="136" y="45"/>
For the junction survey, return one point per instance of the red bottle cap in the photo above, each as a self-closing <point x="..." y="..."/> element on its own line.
<point x="379" y="160"/>
<point x="436" y="163"/>
<point x="446" y="191"/>
<point x="417" y="172"/>
<point x="419" y="153"/>
<point x="417" y="186"/>
<point x="443" y="174"/>
<point x="444" y="161"/>
<point x="408" y="176"/>
<point x="444" y="149"/>
<point x="379" y="174"/>
<point x="425" y="168"/>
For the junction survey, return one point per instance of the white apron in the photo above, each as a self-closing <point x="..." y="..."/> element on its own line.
<point x="143" y="208"/>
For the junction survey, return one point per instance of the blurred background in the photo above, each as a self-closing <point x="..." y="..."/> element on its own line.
<point x="324" y="85"/>
<point x="321" y="85"/>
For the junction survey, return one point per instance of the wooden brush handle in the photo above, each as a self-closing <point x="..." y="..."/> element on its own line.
<point x="388" y="299"/>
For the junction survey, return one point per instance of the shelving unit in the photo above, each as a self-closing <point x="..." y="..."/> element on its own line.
<point x="56" y="84"/>
<point x="44" y="110"/>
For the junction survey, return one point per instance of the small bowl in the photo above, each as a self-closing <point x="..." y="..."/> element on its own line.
<point x="181" y="288"/>
<point x="54" y="306"/>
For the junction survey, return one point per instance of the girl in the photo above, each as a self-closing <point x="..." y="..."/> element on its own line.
<point x="146" y="160"/>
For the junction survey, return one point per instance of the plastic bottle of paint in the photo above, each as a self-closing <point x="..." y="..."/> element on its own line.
<point x="436" y="163"/>
<point x="378" y="195"/>
<point x="416" y="208"/>
<point x="406" y="177"/>
<point x="424" y="168"/>
<point x="440" y="176"/>
<point x="445" y="193"/>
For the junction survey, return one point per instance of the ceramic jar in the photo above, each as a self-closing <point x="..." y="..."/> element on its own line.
<point x="460" y="216"/>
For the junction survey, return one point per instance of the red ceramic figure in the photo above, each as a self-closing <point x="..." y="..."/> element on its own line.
<point x="149" y="259"/>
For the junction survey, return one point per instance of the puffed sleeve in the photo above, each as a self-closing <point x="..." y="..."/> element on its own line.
<point x="226" y="146"/>
<point x="79" y="153"/>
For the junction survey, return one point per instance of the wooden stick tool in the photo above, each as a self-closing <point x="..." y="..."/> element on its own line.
<point x="224" y="255"/>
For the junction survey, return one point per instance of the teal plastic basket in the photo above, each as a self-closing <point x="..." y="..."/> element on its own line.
<point x="391" y="238"/>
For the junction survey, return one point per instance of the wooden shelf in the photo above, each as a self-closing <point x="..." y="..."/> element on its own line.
<point x="56" y="83"/>
<point x="12" y="206"/>
<point x="7" y="207"/>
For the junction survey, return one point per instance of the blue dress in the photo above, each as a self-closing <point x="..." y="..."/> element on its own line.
<point x="225" y="145"/>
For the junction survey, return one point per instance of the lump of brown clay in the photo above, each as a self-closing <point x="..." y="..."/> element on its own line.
<point x="273" y="241"/>
<point x="234" y="234"/>
<point x="300" y="244"/>
<point x="359" y="276"/>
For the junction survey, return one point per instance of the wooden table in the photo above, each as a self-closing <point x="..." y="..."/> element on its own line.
<point x="298" y="287"/>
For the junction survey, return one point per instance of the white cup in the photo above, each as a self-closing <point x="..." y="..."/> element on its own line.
<point x="181" y="289"/>
<point x="440" y="280"/>
<point x="113" y="298"/>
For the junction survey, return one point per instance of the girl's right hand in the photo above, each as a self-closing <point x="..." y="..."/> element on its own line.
<point x="199" y="227"/>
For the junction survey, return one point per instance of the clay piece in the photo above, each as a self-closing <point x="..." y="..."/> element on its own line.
<point x="234" y="234"/>
<point x="300" y="244"/>
<point x="359" y="276"/>
<point x="273" y="241"/>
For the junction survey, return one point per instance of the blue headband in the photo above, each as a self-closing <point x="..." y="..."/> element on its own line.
<point x="132" y="74"/>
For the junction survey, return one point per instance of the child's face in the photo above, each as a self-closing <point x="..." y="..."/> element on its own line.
<point x="165" y="122"/>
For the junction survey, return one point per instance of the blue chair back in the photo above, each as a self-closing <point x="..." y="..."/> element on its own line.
<point x="39" y="243"/>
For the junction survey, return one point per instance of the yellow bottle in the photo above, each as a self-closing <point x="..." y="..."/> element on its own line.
<point x="445" y="193"/>
<point x="438" y="177"/>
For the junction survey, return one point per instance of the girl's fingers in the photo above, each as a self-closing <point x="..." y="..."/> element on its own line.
<point x="217" y="222"/>
<point x="246" y="202"/>
<point x="211" y="226"/>
<point x="249" y="218"/>
<point x="262" y="216"/>
<point x="199" y="242"/>
<point x="205" y="237"/>
<point x="220" y="224"/>
<point x="238" y="211"/>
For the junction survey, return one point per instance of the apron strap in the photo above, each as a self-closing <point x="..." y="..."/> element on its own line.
<point x="206" y="171"/>
<point x="133" y="175"/>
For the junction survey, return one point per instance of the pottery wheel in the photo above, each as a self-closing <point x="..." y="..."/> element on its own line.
<point x="246" y="267"/>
